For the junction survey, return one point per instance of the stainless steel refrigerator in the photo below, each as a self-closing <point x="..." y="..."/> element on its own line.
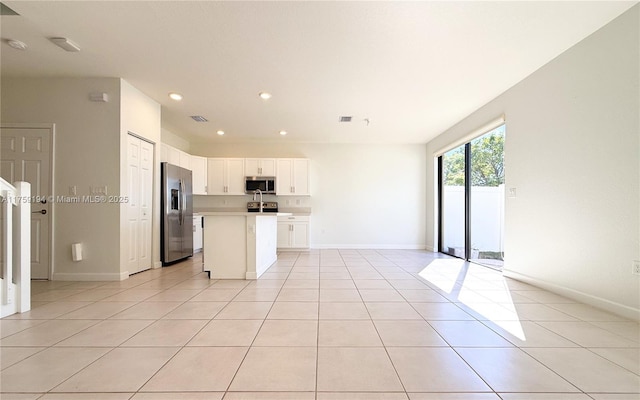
<point x="176" y="229"/>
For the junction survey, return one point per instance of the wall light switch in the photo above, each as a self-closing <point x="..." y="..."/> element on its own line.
<point x="73" y="190"/>
<point x="512" y="192"/>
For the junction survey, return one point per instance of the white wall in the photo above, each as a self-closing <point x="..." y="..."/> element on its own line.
<point x="86" y="154"/>
<point x="361" y="195"/>
<point x="572" y="151"/>
<point x="139" y="115"/>
<point x="174" y="140"/>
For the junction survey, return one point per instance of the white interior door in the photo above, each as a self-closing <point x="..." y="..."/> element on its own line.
<point x="25" y="155"/>
<point x="139" y="204"/>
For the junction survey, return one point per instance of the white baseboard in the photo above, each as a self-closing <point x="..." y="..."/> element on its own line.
<point x="157" y="264"/>
<point x="90" y="277"/>
<point x="599" y="302"/>
<point x="430" y="248"/>
<point x="284" y="249"/>
<point x="370" y="246"/>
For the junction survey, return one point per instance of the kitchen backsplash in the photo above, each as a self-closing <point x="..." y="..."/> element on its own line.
<point x="236" y="203"/>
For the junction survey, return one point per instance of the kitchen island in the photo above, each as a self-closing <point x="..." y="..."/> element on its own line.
<point x="239" y="245"/>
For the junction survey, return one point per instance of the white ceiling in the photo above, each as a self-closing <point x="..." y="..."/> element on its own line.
<point x="412" y="69"/>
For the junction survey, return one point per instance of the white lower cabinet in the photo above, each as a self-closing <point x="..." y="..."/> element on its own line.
<point x="293" y="232"/>
<point x="197" y="233"/>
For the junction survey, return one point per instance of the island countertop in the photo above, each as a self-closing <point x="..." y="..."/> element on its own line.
<point x="239" y="244"/>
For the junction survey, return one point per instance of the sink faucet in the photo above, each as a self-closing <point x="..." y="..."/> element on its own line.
<point x="258" y="191"/>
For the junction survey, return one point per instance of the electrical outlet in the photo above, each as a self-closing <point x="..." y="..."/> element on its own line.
<point x="636" y="267"/>
<point x="98" y="190"/>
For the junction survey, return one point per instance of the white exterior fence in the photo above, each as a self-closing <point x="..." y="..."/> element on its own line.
<point x="487" y="217"/>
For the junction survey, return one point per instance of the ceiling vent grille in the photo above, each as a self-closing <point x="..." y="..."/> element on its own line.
<point x="345" y="118"/>
<point x="199" y="118"/>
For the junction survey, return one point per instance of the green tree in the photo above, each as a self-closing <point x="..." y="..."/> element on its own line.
<point x="487" y="161"/>
<point x="453" y="167"/>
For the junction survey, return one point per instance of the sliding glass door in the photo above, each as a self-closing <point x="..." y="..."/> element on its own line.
<point x="471" y="189"/>
<point x="452" y="209"/>
<point x="487" y="199"/>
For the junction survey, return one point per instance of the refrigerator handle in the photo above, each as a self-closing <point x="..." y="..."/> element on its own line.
<point x="180" y="204"/>
<point x="184" y="199"/>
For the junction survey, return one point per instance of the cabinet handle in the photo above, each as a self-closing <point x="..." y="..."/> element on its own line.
<point x="291" y="228"/>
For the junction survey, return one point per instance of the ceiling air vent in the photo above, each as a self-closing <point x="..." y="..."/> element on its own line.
<point x="345" y="118"/>
<point x="199" y="118"/>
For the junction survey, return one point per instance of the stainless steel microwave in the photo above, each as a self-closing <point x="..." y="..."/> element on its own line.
<point x="266" y="184"/>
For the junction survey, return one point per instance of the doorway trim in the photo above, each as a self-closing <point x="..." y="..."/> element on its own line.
<point x="52" y="204"/>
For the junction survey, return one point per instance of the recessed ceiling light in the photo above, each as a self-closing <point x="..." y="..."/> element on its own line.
<point x="175" y="96"/>
<point x="264" y="95"/>
<point x="283" y="133"/>
<point x="220" y="133"/>
<point x="16" y="44"/>
<point x="65" y="44"/>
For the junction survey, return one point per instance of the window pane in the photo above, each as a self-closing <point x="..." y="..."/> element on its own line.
<point x="487" y="198"/>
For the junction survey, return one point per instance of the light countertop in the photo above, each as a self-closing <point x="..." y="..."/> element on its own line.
<point x="242" y="213"/>
<point x="283" y="211"/>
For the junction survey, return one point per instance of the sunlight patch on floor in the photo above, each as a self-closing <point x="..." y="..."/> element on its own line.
<point x="490" y="297"/>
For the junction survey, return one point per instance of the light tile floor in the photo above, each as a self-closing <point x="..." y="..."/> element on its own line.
<point x="318" y="325"/>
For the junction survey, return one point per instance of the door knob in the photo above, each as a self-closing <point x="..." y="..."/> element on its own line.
<point x="39" y="212"/>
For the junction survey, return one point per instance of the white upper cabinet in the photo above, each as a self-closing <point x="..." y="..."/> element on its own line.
<point x="164" y="152"/>
<point x="292" y="177"/>
<point x="260" y="166"/>
<point x="173" y="156"/>
<point x="185" y="160"/>
<point x="225" y="176"/>
<point x="199" y="170"/>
